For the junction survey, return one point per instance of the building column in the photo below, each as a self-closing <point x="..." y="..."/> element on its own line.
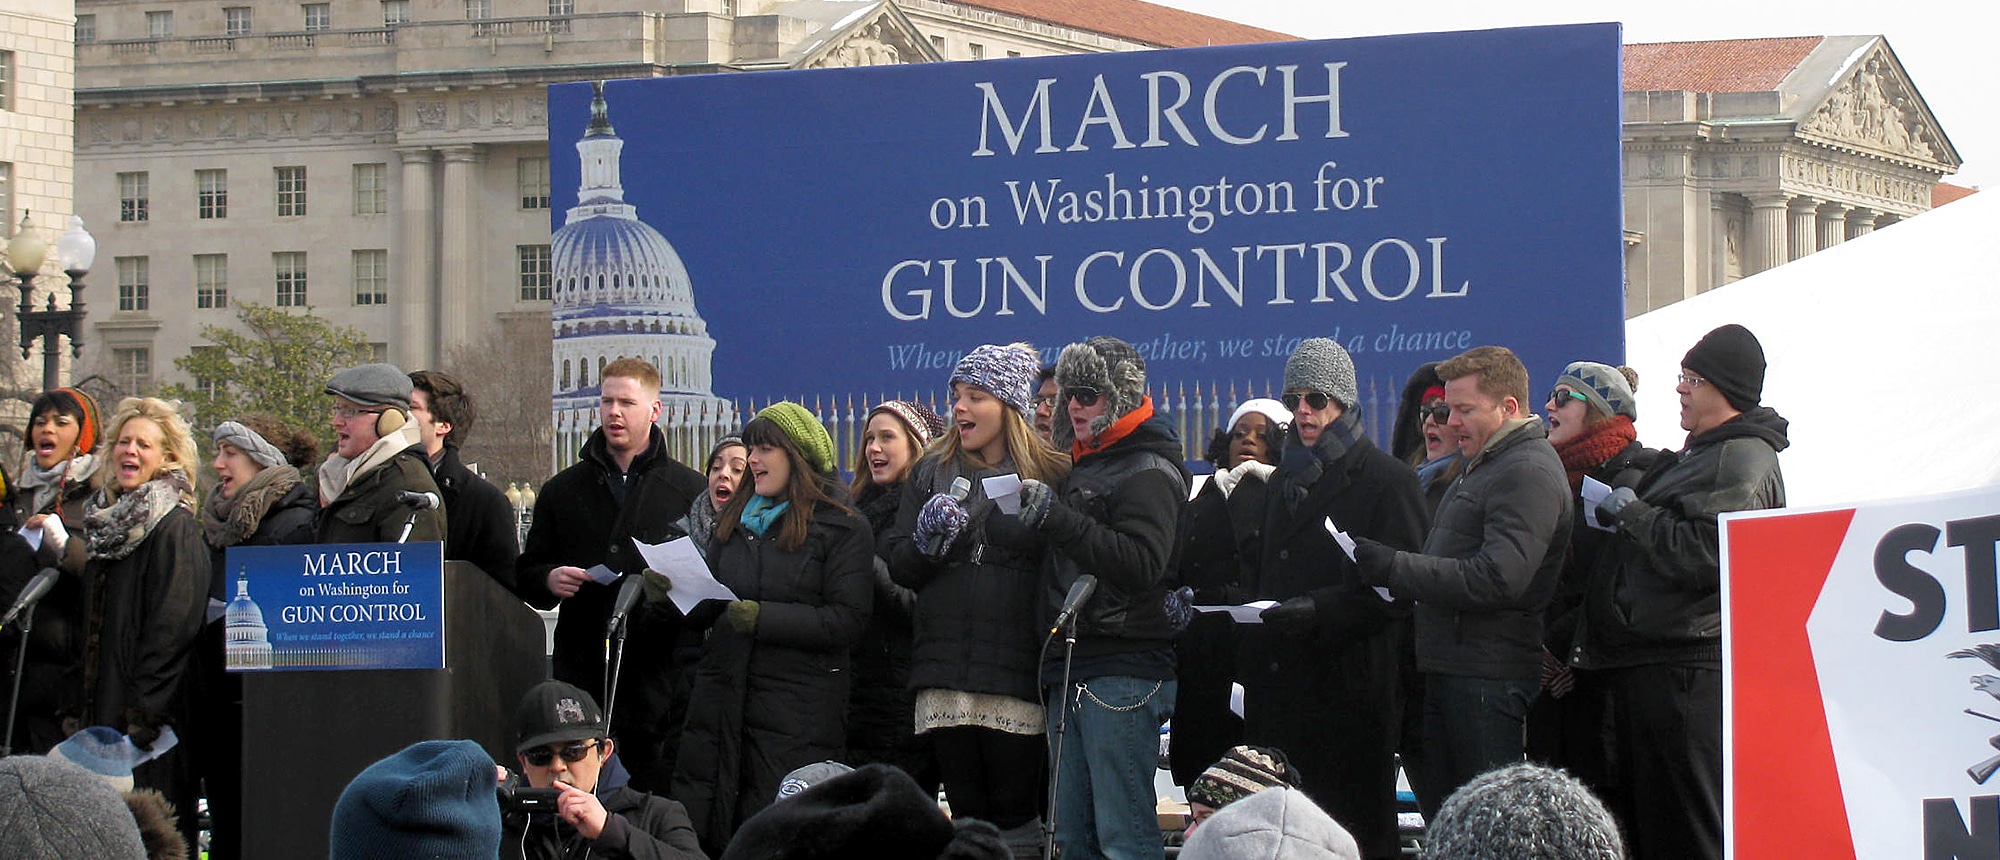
<point x="459" y="267"/>
<point x="1832" y="224"/>
<point x="415" y="302"/>
<point x="1860" y="222"/>
<point x="1767" y="232"/>
<point x="1804" y="236"/>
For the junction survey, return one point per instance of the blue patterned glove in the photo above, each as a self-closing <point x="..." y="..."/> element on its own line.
<point x="1180" y="608"/>
<point x="1036" y="497"/>
<point x="939" y="524"/>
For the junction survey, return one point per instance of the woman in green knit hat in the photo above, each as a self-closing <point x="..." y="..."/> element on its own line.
<point x="770" y="693"/>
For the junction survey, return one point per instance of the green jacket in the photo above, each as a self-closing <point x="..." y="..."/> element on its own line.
<point x="368" y="512"/>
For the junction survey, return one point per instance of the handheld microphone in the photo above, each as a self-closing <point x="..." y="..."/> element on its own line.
<point x="961" y="488"/>
<point x="33" y="591"/>
<point x="1079" y="594"/>
<point x="420" y="501"/>
<point x="628" y="596"/>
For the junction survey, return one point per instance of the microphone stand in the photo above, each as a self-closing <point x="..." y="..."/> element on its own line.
<point x="26" y="625"/>
<point x="409" y="525"/>
<point x="1050" y="850"/>
<point x="613" y="667"/>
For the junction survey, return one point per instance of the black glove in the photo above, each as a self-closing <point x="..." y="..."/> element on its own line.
<point x="1607" y="510"/>
<point x="1374" y="561"/>
<point x="1293" y="615"/>
<point x="143" y="726"/>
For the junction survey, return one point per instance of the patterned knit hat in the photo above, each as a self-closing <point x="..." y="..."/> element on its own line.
<point x="1607" y="389"/>
<point x="1111" y="367"/>
<point x="1523" y="810"/>
<point x="74" y="402"/>
<point x="1321" y="365"/>
<point x="1008" y="371"/>
<point x="805" y="431"/>
<point x="1242" y="771"/>
<point x="432" y="799"/>
<point x="924" y="425"/>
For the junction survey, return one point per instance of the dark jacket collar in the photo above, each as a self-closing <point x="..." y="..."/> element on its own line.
<point x="1155" y="435"/>
<point x="1761" y="422"/>
<point x="598" y="452"/>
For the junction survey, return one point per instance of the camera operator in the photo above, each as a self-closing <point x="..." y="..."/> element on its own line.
<point x="562" y="743"/>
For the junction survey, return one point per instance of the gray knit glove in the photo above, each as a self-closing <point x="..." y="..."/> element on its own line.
<point x="1036" y="498"/>
<point x="1607" y="510"/>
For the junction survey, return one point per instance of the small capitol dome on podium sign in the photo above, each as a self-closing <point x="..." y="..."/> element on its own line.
<point x="247" y="642"/>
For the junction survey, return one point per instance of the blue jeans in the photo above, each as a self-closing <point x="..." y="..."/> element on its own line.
<point x="1110" y="749"/>
<point x="1471" y="726"/>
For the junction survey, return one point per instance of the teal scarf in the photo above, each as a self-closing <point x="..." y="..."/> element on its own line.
<point x="761" y="513"/>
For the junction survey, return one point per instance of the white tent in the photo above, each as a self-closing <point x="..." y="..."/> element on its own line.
<point x="1882" y="355"/>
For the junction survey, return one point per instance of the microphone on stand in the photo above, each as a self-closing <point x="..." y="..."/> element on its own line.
<point x="30" y="593"/>
<point x="1079" y="594"/>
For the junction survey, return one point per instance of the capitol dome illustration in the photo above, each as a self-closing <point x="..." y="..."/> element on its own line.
<point x="621" y="290"/>
<point x="246" y="642"/>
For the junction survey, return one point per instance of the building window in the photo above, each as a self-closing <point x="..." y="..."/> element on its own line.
<point x="975" y="50"/>
<point x="211" y="281"/>
<point x="535" y="272"/>
<point x="86" y="29"/>
<point x="133" y="369"/>
<point x="1013" y="55"/>
<point x="133" y="274"/>
<point x="132" y="201"/>
<point x="235" y="20"/>
<point x="478" y="9"/>
<point x="211" y="194"/>
<point x="291" y="191"/>
<point x="319" y="16"/>
<point x="533" y="177"/>
<point x="378" y="352"/>
<point x="395" y="12"/>
<point x="561" y="7"/>
<point x="159" y="25"/>
<point x="6" y="80"/>
<point x="371" y="189"/>
<point x="290" y="267"/>
<point x="209" y="386"/>
<point x="937" y="44"/>
<point x="371" y="277"/>
<point x="6" y="196"/>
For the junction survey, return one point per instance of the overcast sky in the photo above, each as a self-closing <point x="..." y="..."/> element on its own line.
<point x="1948" y="55"/>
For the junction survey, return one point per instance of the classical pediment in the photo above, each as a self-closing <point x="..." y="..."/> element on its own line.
<point x="879" y="35"/>
<point x="1871" y="105"/>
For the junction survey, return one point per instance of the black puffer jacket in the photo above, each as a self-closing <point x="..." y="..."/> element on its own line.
<point x="480" y="520"/>
<point x="977" y="609"/>
<point x="1114" y="518"/>
<point x="1490" y="564"/>
<point x="774" y="699"/>
<point x="1658" y="600"/>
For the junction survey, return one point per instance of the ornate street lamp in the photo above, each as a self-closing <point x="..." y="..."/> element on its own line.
<point x="26" y="252"/>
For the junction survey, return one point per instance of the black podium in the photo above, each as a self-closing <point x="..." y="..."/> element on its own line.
<point x="306" y="734"/>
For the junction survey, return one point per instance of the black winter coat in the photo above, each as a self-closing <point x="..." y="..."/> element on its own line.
<point x="479" y="520"/>
<point x="290" y="520"/>
<point x="977" y="609"/>
<point x="1215" y="553"/>
<point x="144" y="614"/>
<point x="1490" y="564"/>
<point x="1659" y="599"/>
<point x="775" y="699"/>
<point x="881" y="710"/>
<point x="367" y="510"/>
<point x="52" y="680"/>
<point x="1590" y="549"/>
<point x="639" y="826"/>
<point x="1327" y="693"/>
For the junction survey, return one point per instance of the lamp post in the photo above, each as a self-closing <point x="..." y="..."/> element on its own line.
<point x="75" y="251"/>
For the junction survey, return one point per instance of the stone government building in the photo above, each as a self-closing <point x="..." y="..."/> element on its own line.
<point x="386" y="161"/>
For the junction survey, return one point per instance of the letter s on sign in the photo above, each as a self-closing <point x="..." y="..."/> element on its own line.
<point x="1894" y="571"/>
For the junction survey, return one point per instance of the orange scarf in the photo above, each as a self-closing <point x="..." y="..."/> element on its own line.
<point x="1119" y="429"/>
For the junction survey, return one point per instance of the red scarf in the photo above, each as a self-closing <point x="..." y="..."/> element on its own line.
<point x="1119" y="429"/>
<point x="1599" y="442"/>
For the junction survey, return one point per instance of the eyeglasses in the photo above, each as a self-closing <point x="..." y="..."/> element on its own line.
<point x="1437" y="412"/>
<point x="1315" y="399"/>
<point x="1561" y="397"/>
<point x="1083" y="396"/>
<point x="1691" y="380"/>
<point x="1049" y="401"/>
<point x="348" y="413"/>
<point x="543" y="756"/>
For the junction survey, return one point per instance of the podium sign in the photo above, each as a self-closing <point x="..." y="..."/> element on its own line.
<point x="336" y="607"/>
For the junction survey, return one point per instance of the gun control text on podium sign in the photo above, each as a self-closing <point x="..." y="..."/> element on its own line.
<point x="1862" y="680"/>
<point x="335" y="607"/>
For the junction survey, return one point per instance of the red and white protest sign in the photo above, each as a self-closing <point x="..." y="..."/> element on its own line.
<point x="1862" y="680"/>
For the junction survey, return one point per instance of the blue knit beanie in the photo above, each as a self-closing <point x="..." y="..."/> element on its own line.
<point x="1008" y="371"/>
<point x="433" y="799"/>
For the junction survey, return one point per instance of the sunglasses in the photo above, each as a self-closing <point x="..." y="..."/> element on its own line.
<point x="1083" y="396"/>
<point x="1315" y="399"/>
<point x="1437" y="412"/>
<point x="543" y="756"/>
<point x="1561" y="397"/>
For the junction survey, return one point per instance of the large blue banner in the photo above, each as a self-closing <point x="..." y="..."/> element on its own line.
<point x="335" y="606"/>
<point x="854" y="231"/>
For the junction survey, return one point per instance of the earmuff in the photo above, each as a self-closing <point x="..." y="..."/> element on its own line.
<point x="390" y="420"/>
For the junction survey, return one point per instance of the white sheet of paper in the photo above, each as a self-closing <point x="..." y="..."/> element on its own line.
<point x="1594" y="493"/>
<point x="602" y="575"/>
<point x="33" y="536"/>
<point x="1248" y="613"/>
<point x="1340" y="537"/>
<point x="1236" y="700"/>
<point x="1005" y="491"/>
<point x="681" y="564"/>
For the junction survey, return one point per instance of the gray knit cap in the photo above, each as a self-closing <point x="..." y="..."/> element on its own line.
<point x="57" y="809"/>
<point x="1523" y="810"/>
<point x="1609" y="392"/>
<point x="1319" y="364"/>
<point x="1111" y="367"/>
<point x="1007" y="371"/>
<point x="372" y="385"/>
<point x="254" y="446"/>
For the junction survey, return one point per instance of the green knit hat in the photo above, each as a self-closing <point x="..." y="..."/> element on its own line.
<point x="805" y="431"/>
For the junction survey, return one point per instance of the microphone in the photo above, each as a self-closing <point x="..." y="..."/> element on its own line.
<point x="420" y="501"/>
<point x="33" y="591"/>
<point x="961" y="488"/>
<point x="1079" y="594"/>
<point x="628" y="596"/>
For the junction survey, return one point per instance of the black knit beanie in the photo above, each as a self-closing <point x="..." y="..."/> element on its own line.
<point x="1732" y="360"/>
<point x="876" y="812"/>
